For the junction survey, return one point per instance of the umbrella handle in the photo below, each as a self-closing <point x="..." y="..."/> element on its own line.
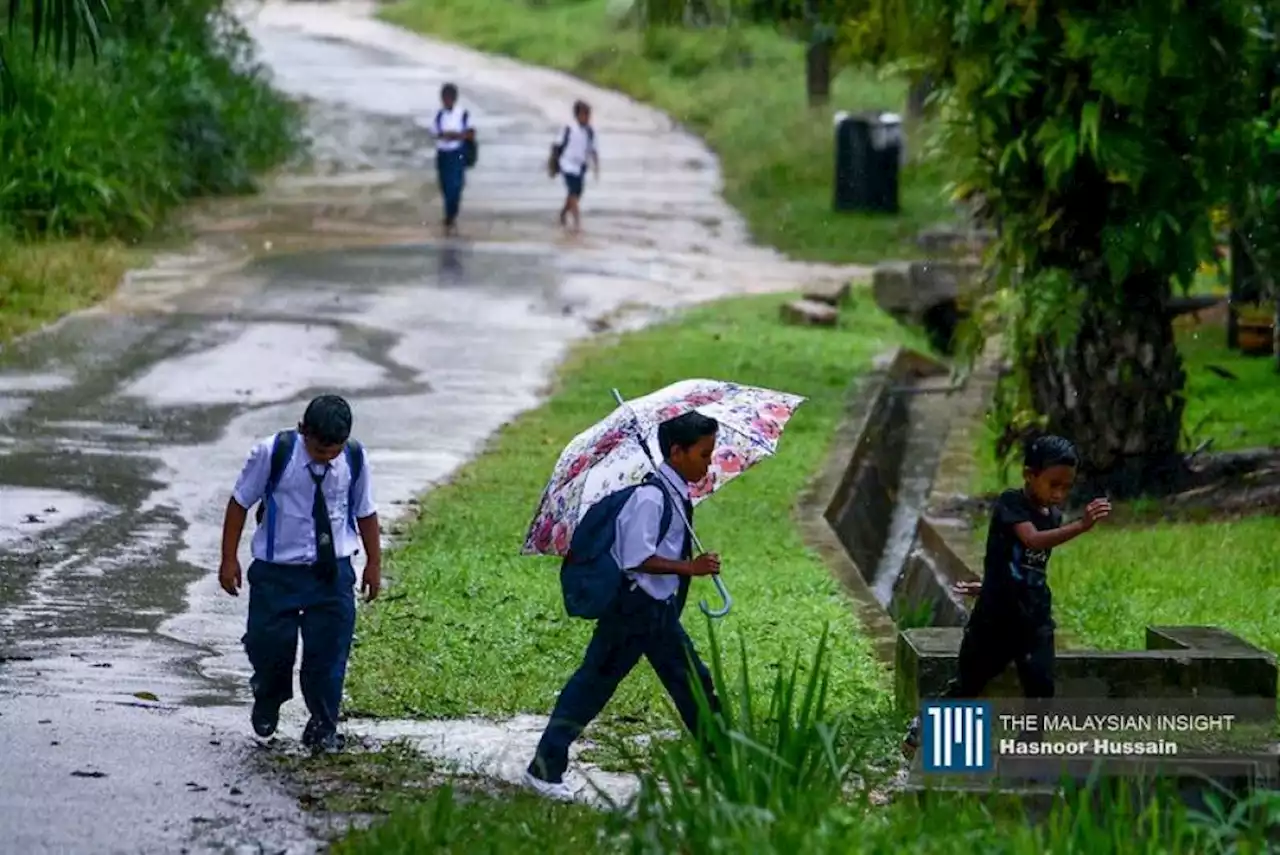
<point x="724" y="595"/>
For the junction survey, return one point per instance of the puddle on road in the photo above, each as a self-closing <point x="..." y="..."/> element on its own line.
<point x="26" y="512"/>
<point x="497" y="750"/>
<point x="10" y="383"/>
<point x="264" y="363"/>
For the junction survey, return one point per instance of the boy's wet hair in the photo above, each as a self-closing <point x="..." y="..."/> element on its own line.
<point x="1047" y="451"/>
<point x="448" y="91"/>
<point x="328" y="420"/>
<point x="685" y="431"/>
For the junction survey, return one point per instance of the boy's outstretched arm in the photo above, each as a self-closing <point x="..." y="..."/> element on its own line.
<point x="371" y="537"/>
<point x="229" y="576"/>
<point x="1098" y="509"/>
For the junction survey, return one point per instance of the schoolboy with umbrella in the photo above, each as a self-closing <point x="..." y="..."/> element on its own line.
<point x="624" y="524"/>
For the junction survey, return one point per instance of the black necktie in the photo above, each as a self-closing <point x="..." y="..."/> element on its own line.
<point x="688" y="531"/>
<point x="326" y="554"/>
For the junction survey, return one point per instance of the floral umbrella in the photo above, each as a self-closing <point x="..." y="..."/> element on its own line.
<point x="608" y="456"/>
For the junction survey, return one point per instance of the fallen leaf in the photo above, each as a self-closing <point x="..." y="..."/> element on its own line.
<point x="145" y="696"/>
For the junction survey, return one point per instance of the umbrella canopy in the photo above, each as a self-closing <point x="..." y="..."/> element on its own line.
<point x="609" y="456"/>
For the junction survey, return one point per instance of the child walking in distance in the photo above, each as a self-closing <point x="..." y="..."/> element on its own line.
<point x="452" y="130"/>
<point x="312" y="489"/>
<point x="644" y="619"/>
<point x="573" y="156"/>
<point x="1012" y="620"/>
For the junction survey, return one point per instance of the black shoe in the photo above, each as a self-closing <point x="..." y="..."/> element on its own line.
<point x="330" y="743"/>
<point x="911" y="741"/>
<point x="265" y="717"/>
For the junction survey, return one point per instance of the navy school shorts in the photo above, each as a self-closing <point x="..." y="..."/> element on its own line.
<point x="574" y="182"/>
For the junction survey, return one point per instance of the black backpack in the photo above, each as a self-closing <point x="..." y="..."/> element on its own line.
<point x="590" y="578"/>
<point x="281" y="454"/>
<point x="557" y="149"/>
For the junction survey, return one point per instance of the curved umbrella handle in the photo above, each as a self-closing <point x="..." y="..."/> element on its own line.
<point x="724" y="595"/>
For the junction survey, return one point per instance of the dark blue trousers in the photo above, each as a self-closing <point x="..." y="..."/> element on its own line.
<point x="451" y="169"/>
<point x="640" y="626"/>
<point x="288" y="599"/>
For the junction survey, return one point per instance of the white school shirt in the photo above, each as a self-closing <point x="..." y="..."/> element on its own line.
<point x="449" y="120"/>
<point x="295" y="541"/>
<point x="639" y="527"/>
<point x="579" y="144"/>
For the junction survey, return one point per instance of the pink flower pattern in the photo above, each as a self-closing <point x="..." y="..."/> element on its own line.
<point x="608" y="456"/>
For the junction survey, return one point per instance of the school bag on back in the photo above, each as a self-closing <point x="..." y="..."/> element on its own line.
<point x="557" y="149"/>
<point x="281" y="454"/>
<point x="590" y="578"/>
<point x="470" y="147"/>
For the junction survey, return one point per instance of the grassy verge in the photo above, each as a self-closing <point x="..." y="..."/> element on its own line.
<point x="1235" y="412"/>
<point x="40" y="282"/>
<point x="453" y="822"/>
<point x="742" y="89"/>
<point x="782" y="783"/>
<point x="472" y="628"/>
<point x="97" y="156"/>
<point x="1170" y="571"/>
<point x="1208" y="574"/>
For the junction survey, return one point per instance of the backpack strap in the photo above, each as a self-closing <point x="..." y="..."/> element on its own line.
<point x="439" y="127"/>
<point x="281" y="454"/>
<point x="668" y="512"/>
<point x="466" y="119"/>
<point x="355" y="464"/>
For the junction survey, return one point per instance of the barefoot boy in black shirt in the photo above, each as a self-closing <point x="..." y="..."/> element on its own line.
<point x="1012" y="620"/>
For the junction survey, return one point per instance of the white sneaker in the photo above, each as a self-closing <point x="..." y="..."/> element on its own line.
<point x="560" y="792"/>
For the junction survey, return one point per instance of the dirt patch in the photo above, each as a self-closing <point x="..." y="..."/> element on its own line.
<point x="368" y="779"/>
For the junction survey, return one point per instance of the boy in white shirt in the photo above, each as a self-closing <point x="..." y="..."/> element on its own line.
<point x="451" y="129"/>
<point x="574" y="154"/>
<point x="315" y="500"/>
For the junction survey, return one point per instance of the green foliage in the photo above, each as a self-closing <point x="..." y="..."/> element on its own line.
<point x="1257" y="204"/>
<point x="173" y="108"/>
<point x="788" y="782"/>
<point x="1098" y="137"/>
<point x="56" y="27"/>
<point x="752" y="777"/>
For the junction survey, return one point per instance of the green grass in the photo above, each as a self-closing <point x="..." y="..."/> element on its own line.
<point x="473" y="628"/>
<point x="741" y="89"/>
<point x="1138" y="570"/>
<point x="1233" y="413"/>
<point x="474" y="824"/>
<point x="42" y="281"/>
<point x="1113" y="582"/>
<point x="782" y="783"/>
<point x="97" y="155"/>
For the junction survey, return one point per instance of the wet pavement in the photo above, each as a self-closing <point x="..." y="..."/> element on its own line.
<point x="123" y="705"/>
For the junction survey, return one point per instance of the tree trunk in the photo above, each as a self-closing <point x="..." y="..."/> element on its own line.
<point x="1116" y="392"/>
<point x="818" y="72"/>
<point x="1275" y="327"/>
<point x="663" y="13"/>
<point x="917" y="96"/>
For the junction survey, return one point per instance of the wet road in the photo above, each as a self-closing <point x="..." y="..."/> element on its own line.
<point x="123" y="706"/>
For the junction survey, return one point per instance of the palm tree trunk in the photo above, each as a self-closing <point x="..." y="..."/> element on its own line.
<point x="1115" y="390"/>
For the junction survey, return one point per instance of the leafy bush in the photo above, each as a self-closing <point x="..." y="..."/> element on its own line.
<point x="174" y="108"/>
